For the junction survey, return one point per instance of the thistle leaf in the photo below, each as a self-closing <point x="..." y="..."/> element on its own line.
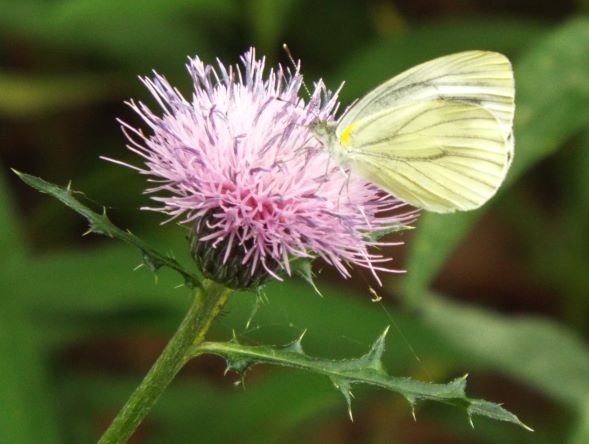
<point x="303" y="268"/>
<point x="345" y="387"/>
<point x="101" y="224"/>
<point x="374" y="356"/>
<point x="296" y="346"/>
<point x="367" y="369"/>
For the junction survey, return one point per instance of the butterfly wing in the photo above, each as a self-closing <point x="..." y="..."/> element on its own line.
<point x="480" y="78"/>
<point x="435" y="154"/>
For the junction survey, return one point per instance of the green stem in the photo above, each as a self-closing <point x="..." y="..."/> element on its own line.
<point x="208" y="302"/>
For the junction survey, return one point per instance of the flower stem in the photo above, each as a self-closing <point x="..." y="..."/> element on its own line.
<point x="208" y="302"/>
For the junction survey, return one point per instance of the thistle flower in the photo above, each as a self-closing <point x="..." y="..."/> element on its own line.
<point x="239" y="165"/>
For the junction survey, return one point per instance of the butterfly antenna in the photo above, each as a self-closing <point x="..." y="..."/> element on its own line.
<point x="295" y="65"/>
<point x="377" y="298"/>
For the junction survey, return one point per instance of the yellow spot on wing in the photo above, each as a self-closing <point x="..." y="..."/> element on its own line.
<point x="344" y="138"/>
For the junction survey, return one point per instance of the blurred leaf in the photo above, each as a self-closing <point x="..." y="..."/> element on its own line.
<point x="116" y="286"/>
<point x="23" y="95"/>
<point x="144" y="34"/>
<point x="268" y="22"/>
<point x="557" y="68"/>
<point x="100" y="224"/>
<point x="327" y="32"/>
<point x="365" y="69"/>
<point x="575" y="173"/>
<point x="193" y="407"/>
<point x="533" y="350"/>
<point x="367" y="369"/>
<point x="553" y="66"/>
<point x="581" y="431"/>
<point x="28" y="415"/>
<point x="12" y="244"/>
<point x="27" y="412"/>
<point x="568" y="249"/>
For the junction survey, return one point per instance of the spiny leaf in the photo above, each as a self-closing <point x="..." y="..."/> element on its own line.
<point x="101" y="224"/>
<point x="492" y="410"/>
<point x="366" y="369"/>
<point x="303" y="267"/>
<point x="260" y="299"/>
<point x="374" y="356"/>
<point x="345" y="387"/>
<point x="296" y="346"/>
<point x="238" y="365"/>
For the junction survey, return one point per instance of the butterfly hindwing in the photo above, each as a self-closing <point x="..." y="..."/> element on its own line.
<point x="436" y="154"/>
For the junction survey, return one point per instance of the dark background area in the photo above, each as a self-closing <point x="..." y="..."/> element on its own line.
<point x="501" y="293"/>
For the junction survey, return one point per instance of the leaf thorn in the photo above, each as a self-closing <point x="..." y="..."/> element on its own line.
<point x="297" y="345"/>
<point x="470" y="421"/>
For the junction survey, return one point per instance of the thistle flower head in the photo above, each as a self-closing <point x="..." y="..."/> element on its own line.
<point x="239" y="164"/>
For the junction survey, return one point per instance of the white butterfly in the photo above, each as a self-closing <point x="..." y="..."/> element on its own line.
<point x="438" y="136"/>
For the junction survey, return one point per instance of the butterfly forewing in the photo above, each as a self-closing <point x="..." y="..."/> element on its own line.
<point x="478" y="77"/>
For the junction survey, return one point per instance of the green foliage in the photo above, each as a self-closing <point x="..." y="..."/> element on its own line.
<point x="11" y="235"/>
<point x="118" y="29"/>
<point x="581" y="432"/>
<point x="24" y="96"/>
<point x="407" y="47"/>
<point x="268" y="19"/>
<point x="534" y="350"/>
<point x="31" y="416"/>
<point x="569" y="248"/>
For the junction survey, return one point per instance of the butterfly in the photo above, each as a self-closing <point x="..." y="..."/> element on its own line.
<point x="437" y="136"/>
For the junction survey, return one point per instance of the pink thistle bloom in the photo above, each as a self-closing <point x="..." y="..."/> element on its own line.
<point x="239" y="163"/>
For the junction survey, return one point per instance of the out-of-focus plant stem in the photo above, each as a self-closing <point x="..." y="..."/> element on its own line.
<point x="206" y="306"/>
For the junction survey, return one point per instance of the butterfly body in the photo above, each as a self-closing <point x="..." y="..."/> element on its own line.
<point x="438" y="136"/>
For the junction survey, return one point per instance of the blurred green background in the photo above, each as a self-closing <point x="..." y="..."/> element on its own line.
<point x="501" y="293"/>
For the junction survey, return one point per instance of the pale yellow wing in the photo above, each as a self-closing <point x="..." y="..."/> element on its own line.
<point x="480" y="78"/>
<point x="438" y="155"/>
